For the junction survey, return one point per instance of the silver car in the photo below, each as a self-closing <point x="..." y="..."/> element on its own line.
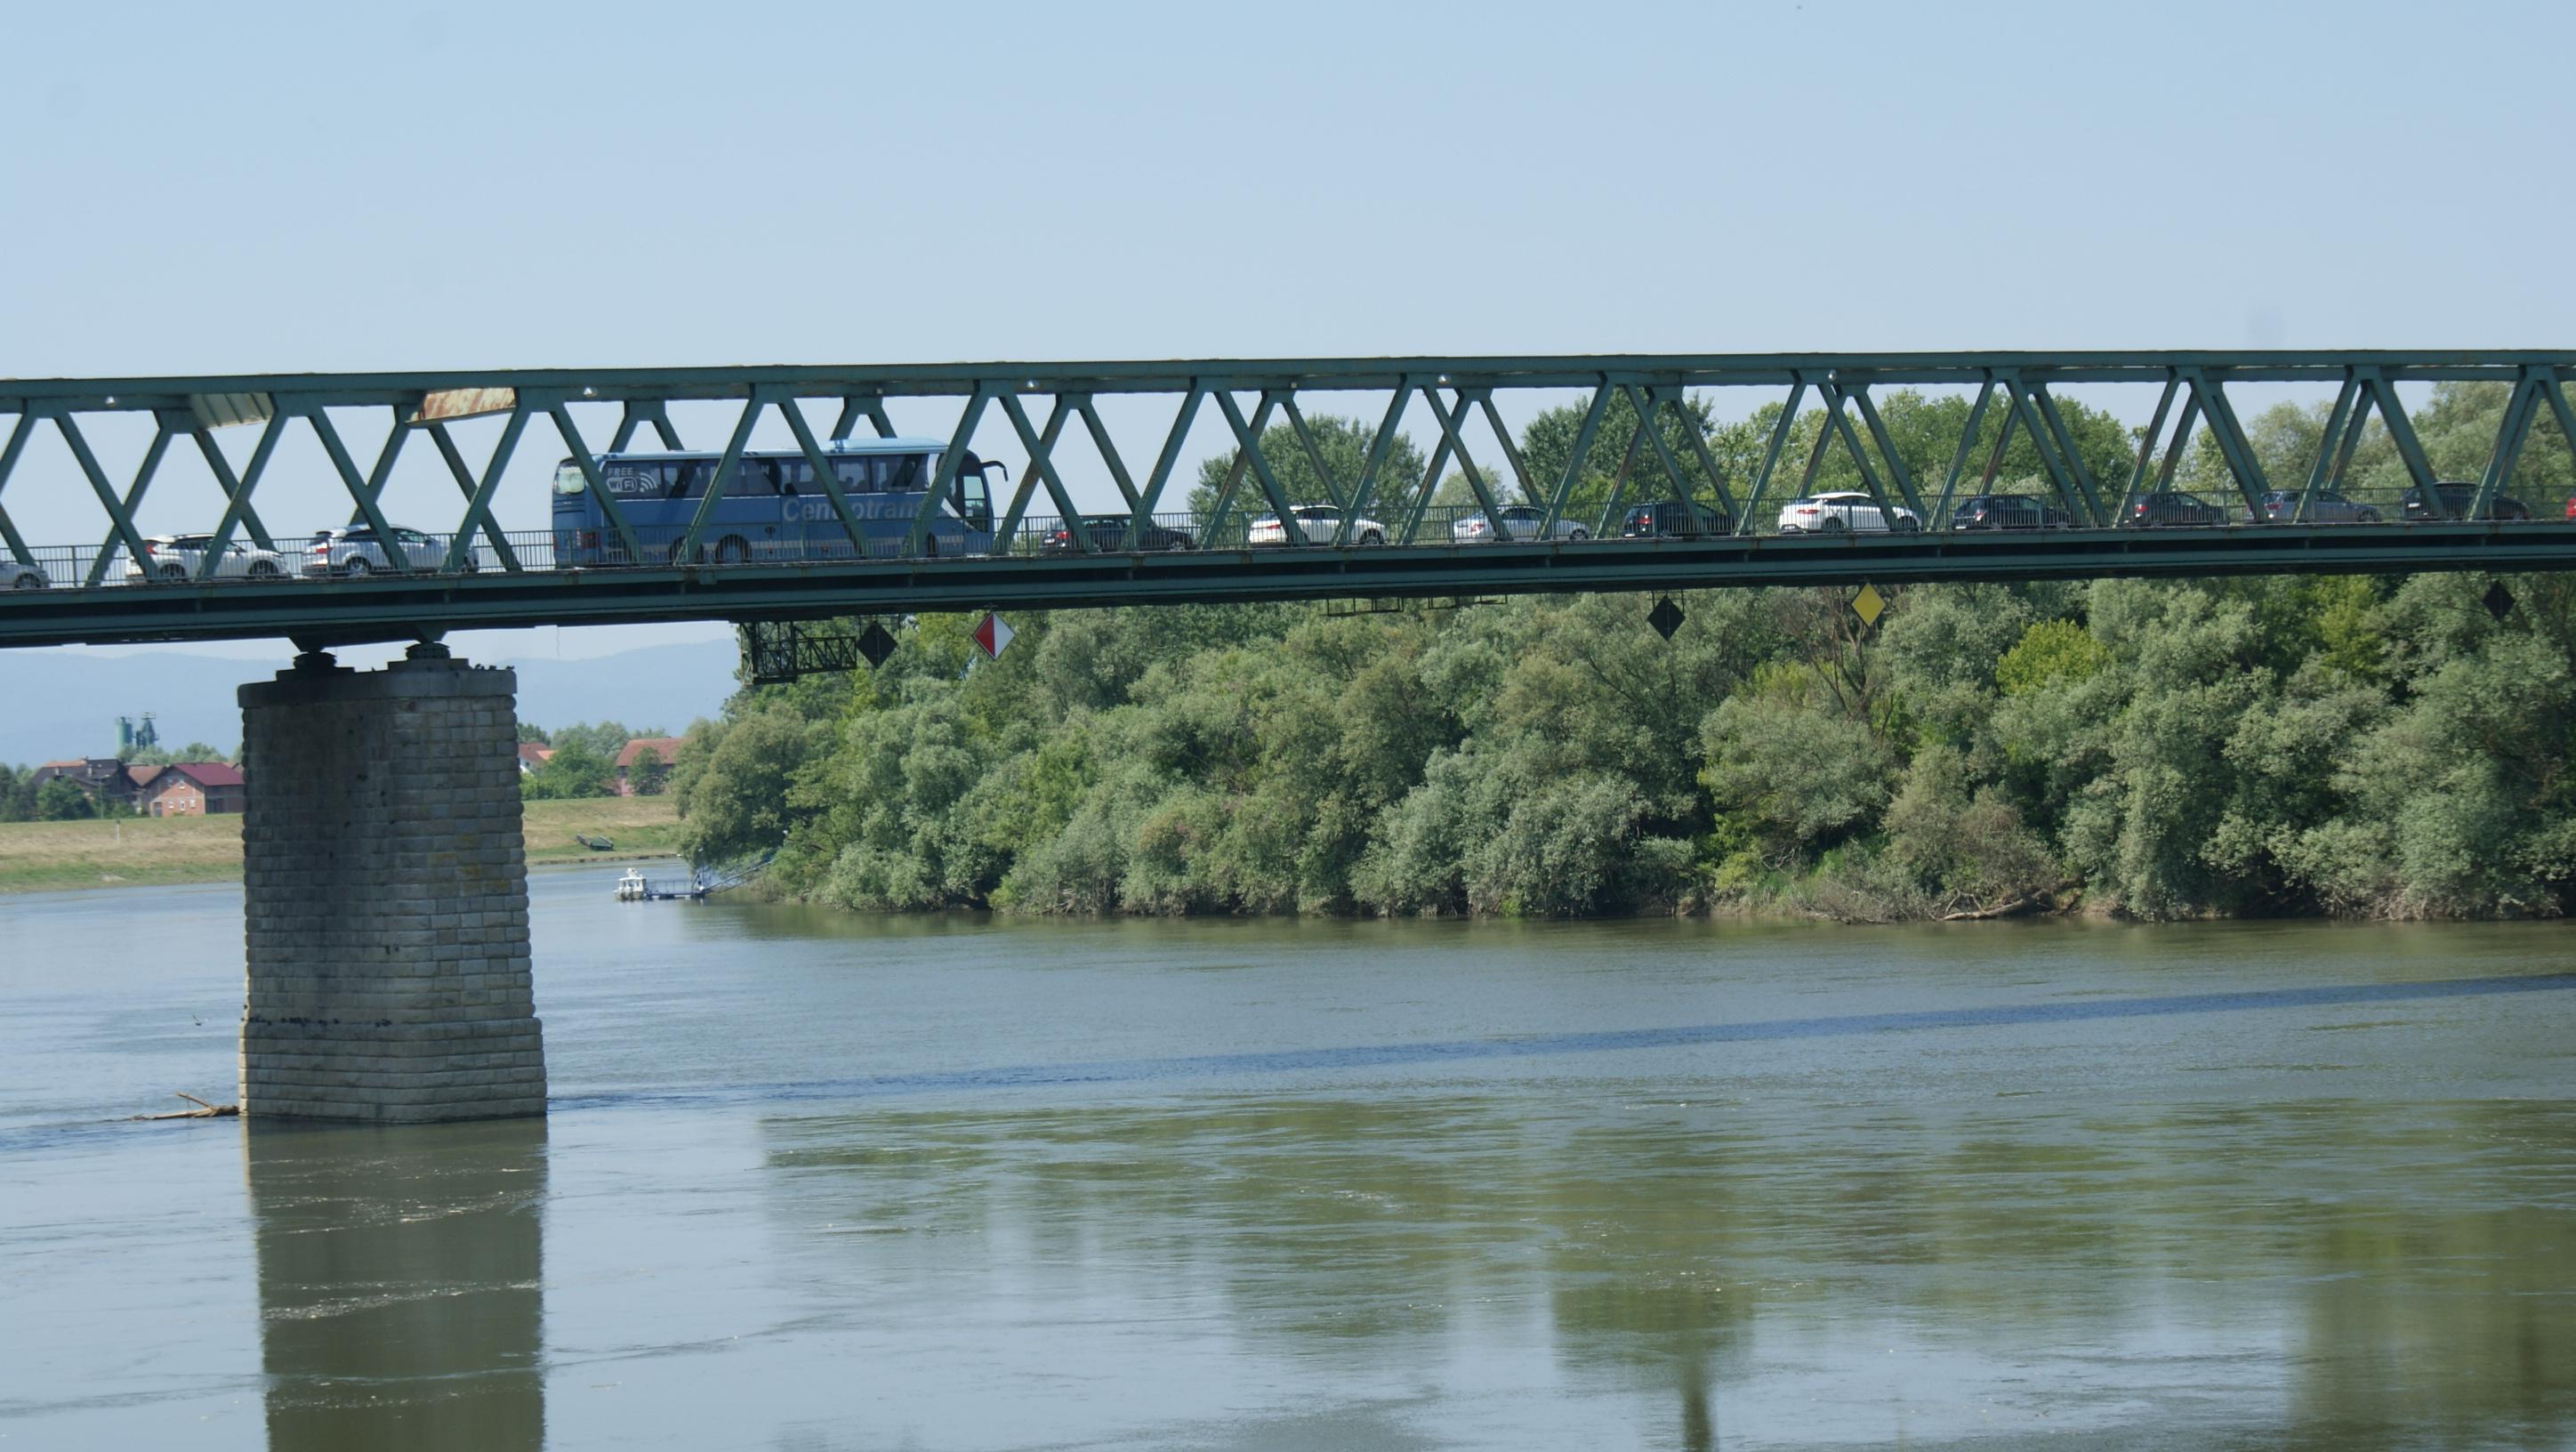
<point x="1519" y="522"/>
<point x="353" y="552"/>
<point x="181" y="556"/>
<point x="19" y="575"/>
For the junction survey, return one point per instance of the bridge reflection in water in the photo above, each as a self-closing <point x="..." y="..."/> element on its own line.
<point x="400" y="1290"/>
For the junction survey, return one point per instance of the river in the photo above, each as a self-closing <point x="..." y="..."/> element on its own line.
<point x="819" y="1181"/>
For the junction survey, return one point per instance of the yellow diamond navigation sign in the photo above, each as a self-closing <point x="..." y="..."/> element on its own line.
<point x="1869" y="604"/>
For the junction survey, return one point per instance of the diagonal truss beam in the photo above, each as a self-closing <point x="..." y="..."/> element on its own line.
<point x="1939" y="518"/>
<point x="478" y="506"/>
<point x="1041" y="463"/>
<point x="2520" y="408"/>
<point x="827" y="476"/>
<point x="364" y="492"/>
<point x="1583" y="435"/>
<point x="167" y="425"/>
<point x="1781" y="428"/>
<point x="2343" y="422"/>
<point x="238" y="509"/>
<point x="1108" y="450"/>
<point x="1381" y="444"/>
<point x="2234" y="448"/>
<point x="592" y="480"/>
<point x="1645" y="402"/>
<point x="1314" y="455"/>
<point x="639" y="412"/>
<point x="1452" y="439"/>
<point x="952" y="458"/>
<point x="1165" y="462"/>
<point x="1247" y="436"/>
<point x="861" y="406"/>
<point x="1896" y="470"/>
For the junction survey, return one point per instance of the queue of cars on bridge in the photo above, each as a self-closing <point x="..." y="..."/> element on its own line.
<point x="355" y="552"/>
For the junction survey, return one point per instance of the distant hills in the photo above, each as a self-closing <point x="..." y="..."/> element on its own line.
<point x="60" y="705"/>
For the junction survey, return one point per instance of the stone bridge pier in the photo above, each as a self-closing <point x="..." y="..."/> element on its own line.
<point x="385" y="896"/>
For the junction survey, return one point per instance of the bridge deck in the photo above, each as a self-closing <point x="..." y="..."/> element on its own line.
<point x="393" y="608"/>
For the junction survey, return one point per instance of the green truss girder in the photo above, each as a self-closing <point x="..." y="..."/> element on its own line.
<point x="2019" y="387"/>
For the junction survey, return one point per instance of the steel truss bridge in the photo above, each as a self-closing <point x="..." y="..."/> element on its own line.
<point x="510" y="579"/>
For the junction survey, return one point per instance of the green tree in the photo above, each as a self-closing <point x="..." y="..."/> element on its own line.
<point x="62" y="800"/>
<point x="576" y="769"/>
<point x="1343" y="445"/>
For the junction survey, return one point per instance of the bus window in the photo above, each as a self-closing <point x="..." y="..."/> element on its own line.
<point x="971" y="503"/>
<point x="794" y="475"/>
<point x="686" y="479"/>
<point x="907" y="473"/>
<point x="855" y="476"/>
<point x="752" y="479"/>
<point x="967" y="497"/>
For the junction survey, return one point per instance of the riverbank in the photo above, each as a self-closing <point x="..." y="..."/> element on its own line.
<point x="149" y="851"/>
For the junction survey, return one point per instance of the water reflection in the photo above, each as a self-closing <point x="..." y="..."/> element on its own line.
<point x="399" y="1285"/>
<point x="2367" y="1271"/>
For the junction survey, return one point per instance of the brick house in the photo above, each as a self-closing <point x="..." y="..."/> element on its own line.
<point x="665" y="747"/>
<point x="194" y="789"/>
<point x="532" y="756"/>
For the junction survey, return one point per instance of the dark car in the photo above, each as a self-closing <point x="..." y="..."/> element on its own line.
<point x="1109" y="536"/>
<point x="2169" y="507"/>
<point x="2008" y="511"/>
<point x="2281" y="506"/>
<point x="1675" y="519"/>
<point x="2456" y="499"/>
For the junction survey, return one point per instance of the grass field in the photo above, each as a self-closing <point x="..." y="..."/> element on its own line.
<point x="124" y="851"/>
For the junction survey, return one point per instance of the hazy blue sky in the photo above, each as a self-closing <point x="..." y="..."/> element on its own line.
<point x="232" y="189"/>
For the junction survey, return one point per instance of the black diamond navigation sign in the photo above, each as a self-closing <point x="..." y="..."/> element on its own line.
<point x="1666" y="617"/>
<point x="875" y="644"/>
<point x="2499" y="601"/>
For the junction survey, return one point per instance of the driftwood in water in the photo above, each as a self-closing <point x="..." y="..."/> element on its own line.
<point x="202" y="1111"/>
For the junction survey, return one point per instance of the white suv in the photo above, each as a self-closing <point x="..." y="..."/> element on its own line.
<point x="179" y="556"/>
<point x="1318" y="523"/>
<point x="354" y="552"/>
<point x="1846" y="510"/>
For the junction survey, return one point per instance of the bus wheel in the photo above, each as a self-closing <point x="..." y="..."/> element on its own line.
<point x="732" y="551"/>
<point x="679" y="552"/>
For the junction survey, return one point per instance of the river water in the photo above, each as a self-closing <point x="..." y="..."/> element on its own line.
<point x="818" y="1181"/>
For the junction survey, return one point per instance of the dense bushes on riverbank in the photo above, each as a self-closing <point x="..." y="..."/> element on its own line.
<point x="2280" y="745"/>
<point x="2294" y="745"/>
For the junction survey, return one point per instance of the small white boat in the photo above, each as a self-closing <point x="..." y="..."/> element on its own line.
<point x="636" y="887"/>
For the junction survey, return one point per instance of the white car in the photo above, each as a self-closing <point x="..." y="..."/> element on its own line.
<point x="352" y="552"/>
<point x="1520" y="521"/>
<point x="1318" y="523"/>
<point x="178" y="557"/>
<point x="19" y="575"/>
<point x="1845" y="510"/>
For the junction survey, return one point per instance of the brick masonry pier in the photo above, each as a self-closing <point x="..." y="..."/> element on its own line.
<point x="385" y="896"/>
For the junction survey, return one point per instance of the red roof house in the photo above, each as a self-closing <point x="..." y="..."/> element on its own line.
<point x="630" y="783"/>
<point x="192" y="789"/>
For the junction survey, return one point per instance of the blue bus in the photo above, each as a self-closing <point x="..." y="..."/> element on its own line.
<point x="772" y="509"/>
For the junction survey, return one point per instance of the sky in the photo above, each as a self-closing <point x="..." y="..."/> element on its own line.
<point x="251" y="189"/>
